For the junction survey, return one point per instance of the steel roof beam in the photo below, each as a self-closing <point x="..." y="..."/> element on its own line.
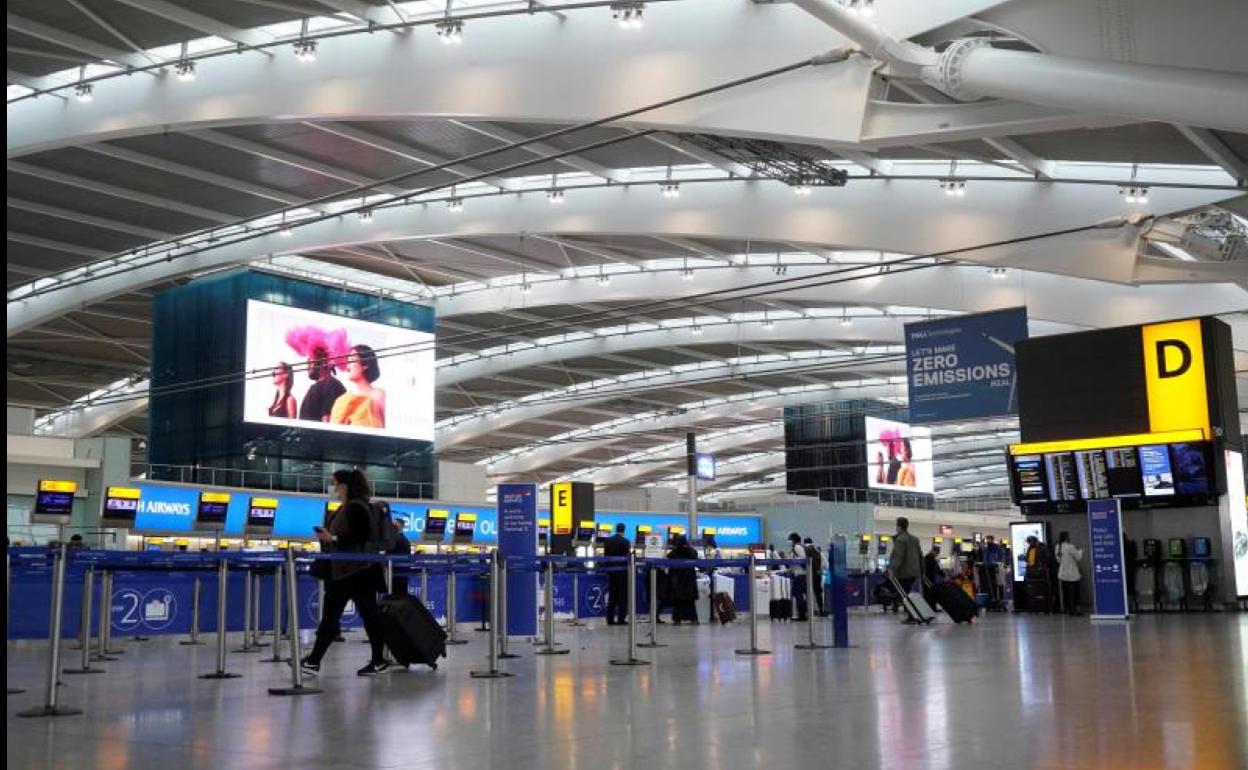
<point x="114" y="191"/>
<point x="198" y="174"/>
<point x="1217" y="151"/>
<point x="73" y="42"/>
<point x="87" y="219"/>
<point x="53" y="245"/>
<point x="507" y="136"/>
<point x="199" y="22"/>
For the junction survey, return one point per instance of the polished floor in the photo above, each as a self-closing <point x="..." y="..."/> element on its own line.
<point x="1008" y="692"/>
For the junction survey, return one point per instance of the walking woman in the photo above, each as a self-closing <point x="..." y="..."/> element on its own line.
<point x="348" y="530"/>
<point x="1068" y="557"/>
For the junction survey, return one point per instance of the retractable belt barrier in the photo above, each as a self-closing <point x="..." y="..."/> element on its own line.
<point x="293" y="568"/>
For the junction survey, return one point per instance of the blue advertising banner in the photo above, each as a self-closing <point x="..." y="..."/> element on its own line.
<point x="963" y="367"/>
<point x="517" y="536"/>
<point x="171" y="508"/>
<point x="1109" y="577"/>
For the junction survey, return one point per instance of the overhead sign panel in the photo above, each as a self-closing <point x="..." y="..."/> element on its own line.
<point x="963" y="367"/>
<point x="1174" y="372"/>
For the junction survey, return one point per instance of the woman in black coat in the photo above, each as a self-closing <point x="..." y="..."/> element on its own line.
<point x="682" y="590"/>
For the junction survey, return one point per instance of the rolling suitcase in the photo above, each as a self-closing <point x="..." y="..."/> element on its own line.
<point x="916" y="606"/>
<point x="725" y="610"/>
<point x="954" y="601"/>
<point x="781" y="604"/>
<point x="411" y="632"/>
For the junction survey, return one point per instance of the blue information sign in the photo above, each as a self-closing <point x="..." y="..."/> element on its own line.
<point x="1109" y="577"/>
<point x="963" y="367"/>
<point x="517" y="536"/>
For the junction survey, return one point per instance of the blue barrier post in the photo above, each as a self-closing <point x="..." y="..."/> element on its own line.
<point x="838" y="573"/>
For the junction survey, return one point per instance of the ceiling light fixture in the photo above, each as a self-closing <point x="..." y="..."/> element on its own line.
<point x="455" y="203"/>
<point x="84" y="92"/>
<point x="997" y="273"/>
<point x="284" y="231"/>
<point x="184" y="70"/>
<point x="1134" y="194"/>
<point x="670" y="190"/>
<point x="801" y="189"/>
<point x="604" y="279"/>
<point x="628" y="15"/>
<point x="954" y="188"/>
<point x="305" y="49"/>
<point x="450" y="32"/>
<point x="365" y="215"/>
<point x="864" y="8"/>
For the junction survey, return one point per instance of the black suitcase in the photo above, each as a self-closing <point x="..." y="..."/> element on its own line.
<point x="953" y="600"/>
<point x="781" y="609"/>
<point x="411" y="632"/>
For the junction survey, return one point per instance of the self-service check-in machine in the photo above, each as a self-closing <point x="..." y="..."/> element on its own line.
<point x="211" y="512"/>
<point x="120" y="506"/>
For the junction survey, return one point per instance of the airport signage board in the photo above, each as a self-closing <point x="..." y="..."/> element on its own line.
<point x="963" y="367"/>
<point x="1109" y="574"/>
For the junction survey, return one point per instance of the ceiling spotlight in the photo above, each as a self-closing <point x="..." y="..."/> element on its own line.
<point x="780" y="270"/>
<point x="628" y="15"/>
<point x="184" y="70"/>
<point x="604" y="279"/>
<point x="670" y="190"/>
<point x="687" y="274"/>
<point x="801" y="189"/>
<point x="997" y="273"/>
<point x="84" y="92"/>
<point x="305" y="50"/>
<point x="455" y="204"/>
<point x="285" y="231"/>
<point x="696" y="330"/>
<point x="450" y="32"/>
<point x="847" y="321"/>
<point x="954" y="188"/>
<point x="1134" y="194"/>
<point x="864" y="8"/>
<point x="554" y="195"/>
<point x="768" y="323"/>
<point x="526" y="288"/>
<point x="365" y="215"/>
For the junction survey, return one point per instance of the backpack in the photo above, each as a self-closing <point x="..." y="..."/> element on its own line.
<point x="816" y="556"/>
<point x="384" y="536"/>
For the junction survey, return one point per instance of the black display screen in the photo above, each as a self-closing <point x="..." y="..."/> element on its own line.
<point x="213" y="508"/>
<point x="1122" y="472"/>
<point x="1059" y="469"/>
<point x="464" y="529"/>
<point x="435" y="526"/>
<point x="120" y="508"/>
<point x="1192" y="468"/>
<point x="1029" y="479"/>
<point x="261" y="514"/>
<point x="54" y="503"/>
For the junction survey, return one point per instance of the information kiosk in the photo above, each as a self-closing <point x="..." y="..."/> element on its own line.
<point x="435" y="527"/>
<point x="261" y="513"/>
<point x="211" y="512"/>
<point x="465" y="526"/>
<point x="54" y="502"/>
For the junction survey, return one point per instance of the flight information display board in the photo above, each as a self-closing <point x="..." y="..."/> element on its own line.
<point x="121" y="506"/>
<point x="1144" y="476"/>
<point x="54" y="501"/>
<point x="261" y="513"/>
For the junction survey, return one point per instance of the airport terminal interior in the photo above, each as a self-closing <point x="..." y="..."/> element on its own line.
<point x="627" y="384"/>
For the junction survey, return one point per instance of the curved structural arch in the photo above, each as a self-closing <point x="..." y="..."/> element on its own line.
<point x="895" y="216"/>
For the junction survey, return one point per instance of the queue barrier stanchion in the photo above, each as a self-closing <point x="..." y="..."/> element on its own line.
<point x="51" y="707"/>
<point x="247" y="647"/>
<point x="8" y="606"/>
<point x="632" y="659"/>
<point x="811" y="644"/>
<point x="424" y="586"/>
<point x="223" y="586"/>
<point x="106" y="615"/>
<point x="493" y="672"/>
<point x="194" y="641"/>
<point x="256" y="633"/>
<point x="575" y="622"/>
<point x="503" y="652"/>
<point x="297" y="687"/>
<point x="654" y="610"/>
<point x="104" y="620"/>
<point x="389" y="576"/>
<point x="548" y="601"/>
<point x="753" y="649"/>
<point x="452" y="608"/>
<point x="277" y="619"/>
<point x="84" y="624"/>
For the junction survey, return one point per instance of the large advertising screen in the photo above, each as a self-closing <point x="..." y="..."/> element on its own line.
<point x="330" y="372"/>
<point x="899" y="456"/>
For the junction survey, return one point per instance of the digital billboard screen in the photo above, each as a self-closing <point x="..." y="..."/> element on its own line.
<point x="899" y="456"/>
<point x="329" y="372"/>
<point x="1156" y="470"/>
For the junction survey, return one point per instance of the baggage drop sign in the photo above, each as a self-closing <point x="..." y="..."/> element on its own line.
<point x="963" y="367"/>
<point x="1109" y="576"/>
